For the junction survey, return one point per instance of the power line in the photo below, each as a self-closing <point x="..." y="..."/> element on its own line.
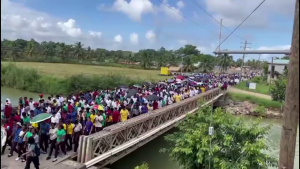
<point x="241" y="23"/>
<point x="161" y="1"/>
<point x="204" y="10"/>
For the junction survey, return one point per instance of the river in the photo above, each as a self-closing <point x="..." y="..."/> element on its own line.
<point x="150" y="152"/>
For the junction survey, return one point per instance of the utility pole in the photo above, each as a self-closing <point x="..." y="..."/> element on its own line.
<point x="291" y="107"/>
<point x="259" y="61"/>
<point x="220" y="34"/>
<point x="245" y="47"/>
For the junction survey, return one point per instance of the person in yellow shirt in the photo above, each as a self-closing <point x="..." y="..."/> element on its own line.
<point x="177" y="98"/>
<point x="124" y="114"/>
<point x="70" y="131"/>
<point x="92" y="116"/>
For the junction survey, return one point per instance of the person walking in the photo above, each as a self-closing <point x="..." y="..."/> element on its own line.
<point x="60" y="142"/>
<point x="44" y="133"/>
<point x="69" y="139"/>
<point x="76" y="134"/>
<point x="53" y="137"/>
<point x="32" y="154"/>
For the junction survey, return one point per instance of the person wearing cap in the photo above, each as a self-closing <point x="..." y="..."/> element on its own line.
<point x="15" y="139"/>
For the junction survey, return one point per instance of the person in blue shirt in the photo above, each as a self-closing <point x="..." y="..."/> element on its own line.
<point x="37" y="111"/>
<point x="15" y="139"/>
<point x="44" y="130"/>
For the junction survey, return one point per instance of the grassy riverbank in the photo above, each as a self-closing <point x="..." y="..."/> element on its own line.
<point x="67" y="70"/>
<point x="262" y="88"/>
<point x="32" y="80"/>
<point x="255" y="100"/>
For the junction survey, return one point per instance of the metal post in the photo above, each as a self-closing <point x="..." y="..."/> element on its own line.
<point x="220" y="35"/>
<point x="291" y="107"/>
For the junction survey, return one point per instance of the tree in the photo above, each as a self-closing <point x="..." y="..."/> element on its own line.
<point x="239" y="62"/>
<point x="206" y="65"/>
<point x="278" y="89"/>
<point x="78" y="50"/>
<point x="143" y="166"/>
<point x="235" y="144"/>
<point x="225" y="62"/>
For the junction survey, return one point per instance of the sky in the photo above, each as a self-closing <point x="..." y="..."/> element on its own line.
<point x="139" y="24"/>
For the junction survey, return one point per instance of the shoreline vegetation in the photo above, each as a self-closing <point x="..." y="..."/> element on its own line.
<point x="255" y="100"/>
<point x="29" y="79"/>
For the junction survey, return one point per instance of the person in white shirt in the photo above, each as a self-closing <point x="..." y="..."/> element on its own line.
<point x="52" y="136"/>
<point x="56" y="117"/>
<point x="98" y="121"/>
<point x="77" y="132"/>
<point x="31" y="104"/>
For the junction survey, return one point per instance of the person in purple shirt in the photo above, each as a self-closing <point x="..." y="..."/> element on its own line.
<point x="88" y="128"/>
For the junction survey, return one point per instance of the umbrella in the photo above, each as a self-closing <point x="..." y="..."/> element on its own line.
<point x="180" y="77"/>
<point x="137" y="86"/>
<point x="146" y="83"/>
<point x="163" y="83"/>
<point x="40" y="117"/>
<point x="152" y="86"/>
<point x="152" y="97"/>
<point x="170" y="80"/>
<point x="131" y="92"/>
<point x="98" y="107"/>
<point x="123" y="86"/>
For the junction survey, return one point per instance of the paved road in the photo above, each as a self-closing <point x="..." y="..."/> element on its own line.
<point x="11" y="163"/>
<point x="263" y="96"/>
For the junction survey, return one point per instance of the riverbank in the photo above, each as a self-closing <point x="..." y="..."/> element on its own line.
<point x="250" y="109"/>
<point x="31" y="80"/>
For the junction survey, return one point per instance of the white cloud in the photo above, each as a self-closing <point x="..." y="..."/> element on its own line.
<point x="134" y="9"/>
<point x="134" y="38"/>
<point x="182" y="42"/>
<point x="69" y="28"/>
<point x="151" y="36"/>
<point x="118" y="39"/>
<point x="18" y="21"/>
<point x="180" y="4"/>
<point x="233" y="12"/>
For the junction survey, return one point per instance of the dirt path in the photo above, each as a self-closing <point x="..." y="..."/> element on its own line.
<point x="263" y="96"/>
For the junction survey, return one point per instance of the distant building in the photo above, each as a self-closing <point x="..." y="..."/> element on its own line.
<point x="278" y="68"/>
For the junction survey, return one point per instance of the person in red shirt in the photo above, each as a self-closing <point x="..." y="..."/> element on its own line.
<point x="155" y="105"/>
<point x="7" y="110"/>
<point x="26" y="102"/>
<point x="9" y="129"/>
<point x="116" y="116"/>
<point x="70" y="108"/>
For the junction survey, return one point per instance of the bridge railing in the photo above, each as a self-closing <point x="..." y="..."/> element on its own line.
<point x="113" y="136"/>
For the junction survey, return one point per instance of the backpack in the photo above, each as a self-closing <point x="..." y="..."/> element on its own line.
<point x="37" y="150"/>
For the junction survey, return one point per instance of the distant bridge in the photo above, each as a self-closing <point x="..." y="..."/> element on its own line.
<point x="116" y="141"/>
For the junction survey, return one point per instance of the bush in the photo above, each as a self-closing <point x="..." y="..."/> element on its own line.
<point x="278" y="89"/>
<point x="30" y="80"/>
<point x="261" y="110"/>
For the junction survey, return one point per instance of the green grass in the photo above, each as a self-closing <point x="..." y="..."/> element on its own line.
<point x="30" y="79"/>
<point x="261" y="87"/>
<point x="255" y="100"/>
<point x="66" y="70"/>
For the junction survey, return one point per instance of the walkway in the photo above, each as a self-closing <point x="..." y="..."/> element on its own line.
<point x="11" y="163"/>
<point x="263" y="96"/>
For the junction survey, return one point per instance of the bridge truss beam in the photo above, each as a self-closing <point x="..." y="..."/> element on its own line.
<point x="285" y="52"/>
<point x="115" y="141"/>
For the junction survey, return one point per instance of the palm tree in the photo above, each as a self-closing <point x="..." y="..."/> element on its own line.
<point x="31" y="47"/>
<point x="62" y="50"/>
<point x="225" y="62"/>
<point x="78" y="50"/>
<point x="145" y="59"/>
<point x="89" y="53"/>
<point x="206" y="65"/>
<point x="187" y="62"/>
<point x="172" y="61"/>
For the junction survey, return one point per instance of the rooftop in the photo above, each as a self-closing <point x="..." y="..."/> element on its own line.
<point x="280" y="62"/>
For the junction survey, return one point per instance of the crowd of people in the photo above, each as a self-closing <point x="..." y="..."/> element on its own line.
<point x="88" y="112"/>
